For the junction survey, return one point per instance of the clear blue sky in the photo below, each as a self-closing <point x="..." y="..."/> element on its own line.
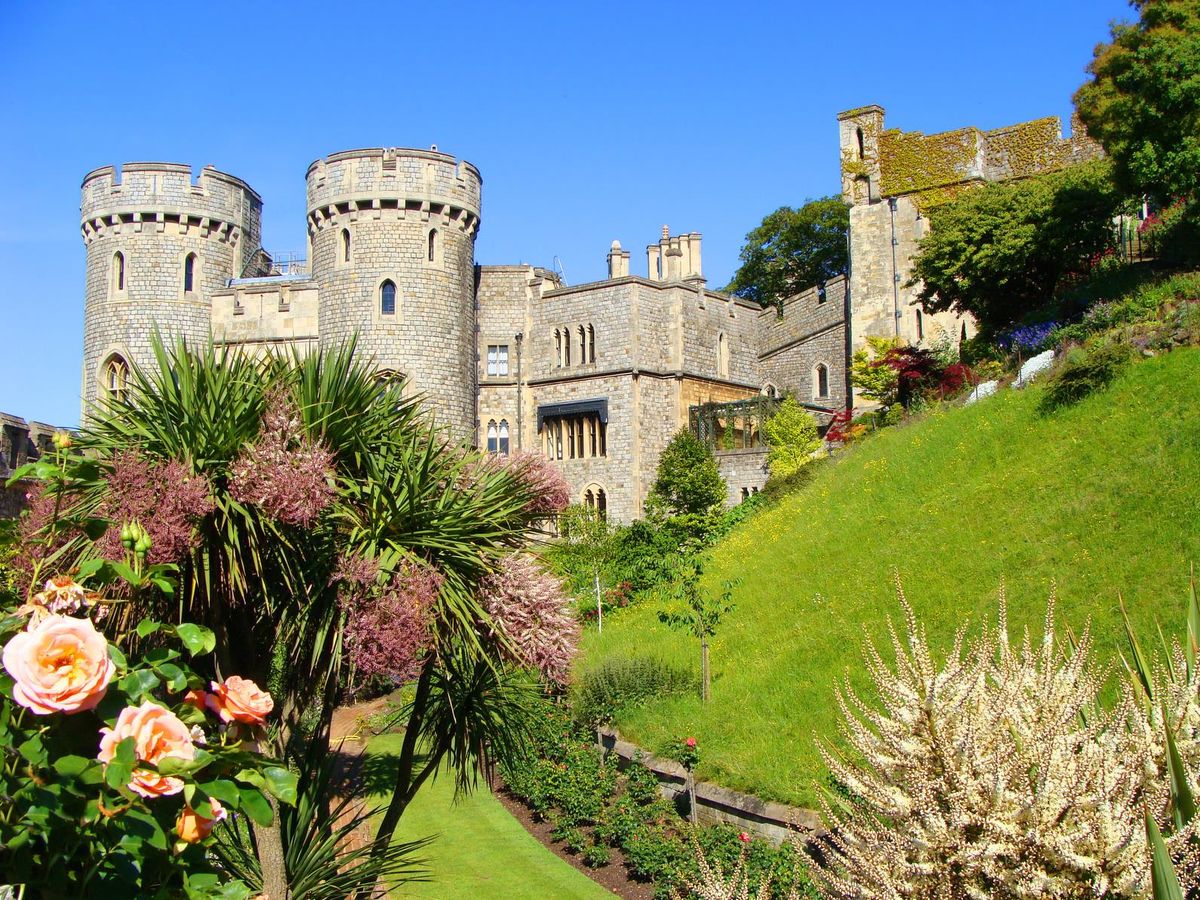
<point x="588" y="121"/>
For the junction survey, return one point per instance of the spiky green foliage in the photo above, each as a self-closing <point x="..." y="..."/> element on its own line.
<point x="402" y="492"/>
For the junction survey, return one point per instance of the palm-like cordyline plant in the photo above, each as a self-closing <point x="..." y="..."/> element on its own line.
<point x="399" y="493"/>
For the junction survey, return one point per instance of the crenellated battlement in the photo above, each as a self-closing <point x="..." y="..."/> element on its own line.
<point x="393" y="183"/>
<point x="155" y="196"/>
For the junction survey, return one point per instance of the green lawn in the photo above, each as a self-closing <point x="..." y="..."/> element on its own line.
<point x="481" y="851"/>
<point x="1102" y="498"/>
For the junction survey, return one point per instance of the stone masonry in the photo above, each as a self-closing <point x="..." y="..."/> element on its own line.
<point x="599" y="376"/>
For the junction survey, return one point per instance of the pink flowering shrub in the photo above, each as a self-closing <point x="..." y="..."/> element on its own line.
<point x="533" y="611"/>
<point x="549" y="489"/>
<point x="285" y="473"/>
<point x="387" y="635"/>
<point x="164" y="497"/>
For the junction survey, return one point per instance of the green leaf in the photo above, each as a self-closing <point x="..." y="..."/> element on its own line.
<point x="196" y="638"/>
<point x="281" y="783"/>
<point x="1141" y="668"/>
<point x="255" y="805"/>
<point x="147" y="627"/>
<point x="34" y="750"/>
<point x="139" y="683"/>
<point x="119" y="770"/>
<point x="1162" y="870"/>
<point x="251" y="776"/>
<point x="224" y="790"/>
<point x="71" y="766"/>
<point x="1184" y="801"/>
<point x="175" y="765"/>
<point x="146" y="827"/>
<point x="176" y="678"/>
<point x="90" y="567"/>
<point x="118" y="658"/>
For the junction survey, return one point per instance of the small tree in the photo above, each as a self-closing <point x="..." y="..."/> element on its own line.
<point x="698" y="613"/>
<point x="589" y="539"/>
<point x="688" y="481"/>
<point x="792" y="438"/>
<point x="874" y="379"/>
<point x="791" y="250"/>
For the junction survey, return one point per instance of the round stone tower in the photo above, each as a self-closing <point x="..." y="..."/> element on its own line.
<point x="158" y="245"/>
<point x="392" y="247"/>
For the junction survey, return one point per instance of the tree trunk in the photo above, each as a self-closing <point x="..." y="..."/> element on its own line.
<point x="269" y="842"/>
<point x="599" y="608"/>
<point x="705" y="684"/>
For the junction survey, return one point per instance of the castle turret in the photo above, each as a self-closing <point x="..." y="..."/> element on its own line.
<point x="858" y="136"/>
<point x="392" y="246"/>
<point x="158" y="245"/>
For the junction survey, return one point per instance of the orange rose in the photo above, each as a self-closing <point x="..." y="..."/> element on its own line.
<point x="157" y="733"/>
<point x="238" y="699"/>
<point x="60" y="664"/>
<point x="196" y="698"/>
<point x="193" y="827"/>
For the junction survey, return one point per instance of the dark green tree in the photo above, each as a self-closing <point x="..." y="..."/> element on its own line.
<point x="687" y="481"/>
<point x="1001" y="250"/>
<point x="1143" y="100"/>
<point x="791" y="250"/>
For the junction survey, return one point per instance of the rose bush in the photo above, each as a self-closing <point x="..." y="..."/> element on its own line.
<point x="114" y="776"/>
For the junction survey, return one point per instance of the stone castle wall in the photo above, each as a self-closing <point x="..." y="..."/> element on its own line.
<point x="267" y="315"/>
<point x="811" y="331"/>
<point x="390" y="205"/>
<point x="20" y="442"/>
<point x="892" y="178"/>
<point x="154" y="217"/>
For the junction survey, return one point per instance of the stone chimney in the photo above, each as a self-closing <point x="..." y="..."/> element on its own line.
<point x="675" y="258"/>
<point x="618" y="261"/>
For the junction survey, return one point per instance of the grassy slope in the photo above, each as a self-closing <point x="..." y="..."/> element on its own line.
<point x="1102" y="497"/>
<point x="481" y="850"/>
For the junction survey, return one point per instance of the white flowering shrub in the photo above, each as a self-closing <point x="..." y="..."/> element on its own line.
<point x="999" y="775"/>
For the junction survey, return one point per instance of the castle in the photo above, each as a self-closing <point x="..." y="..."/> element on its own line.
<point x="595" y="376"/>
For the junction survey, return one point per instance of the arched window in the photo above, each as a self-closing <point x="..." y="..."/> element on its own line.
<point x="770" y="391"/>
<point x="821" y="381"/>
<point x="861" y="147"/>
<point x="920" y="326"/>
<point x="345" y="245"/>
<point x="591" y="332"/>
<point x="601" y="503"/>
<point x="493" y="437"/>
<point x="118" y="272"/>
<point x="504" y="435"/>
<point x="822" y="296"/>
<point x="589" y="499"/>
<point x="582" y="345"/>
<point x="962" y="336"/>
<point x="387" y="298"/>
<point x="432" y="249"/>
<point x="189" y="273"/>
<point x="566" y="345"/>
<point x="722" y="356"/>
<point x="116" y="378"/>
<point x="557" y="347"/>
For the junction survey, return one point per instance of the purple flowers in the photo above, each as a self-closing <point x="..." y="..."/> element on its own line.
<point x="532" y="610"/>
<point x="388" y="635"/>
<point x="1027" y="338"/>
<point x="285" y="473"/>
<point x="163" y="497"/>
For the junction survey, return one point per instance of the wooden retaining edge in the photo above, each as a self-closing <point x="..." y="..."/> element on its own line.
<point x="776" y="822"/>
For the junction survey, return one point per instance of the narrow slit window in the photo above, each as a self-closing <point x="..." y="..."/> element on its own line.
<point x="557" y="348"/>
<point x="822" y="381"/>
<point x="591" y="333"/>
<point x="601" y="504"/>
<point x="387" y="298"/>
<point x="861" y="144"/>
<point x="345" y="245"/>
<point x="920" y="326"/>
<point x="118" y="271"/>
<point x="566" y="346"/>
<point x="582" y="345"/>
<point x="189" y="273"/>
<point x="432" y="248"/>
<point x="493" y="436"/>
